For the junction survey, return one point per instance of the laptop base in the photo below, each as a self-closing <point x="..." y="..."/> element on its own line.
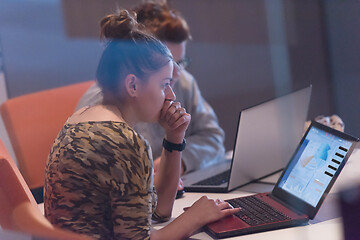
<point x="219" y="235"/>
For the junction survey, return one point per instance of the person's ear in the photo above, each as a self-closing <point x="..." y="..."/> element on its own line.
<point x="132" y="85"/>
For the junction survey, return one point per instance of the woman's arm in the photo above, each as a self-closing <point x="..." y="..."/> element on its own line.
<point x="175" y="121"/>
<point x="202" y="212"/>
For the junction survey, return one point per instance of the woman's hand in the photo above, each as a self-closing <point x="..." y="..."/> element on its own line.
<point x="207" y="210"/>
<point x="175" y="120"/>
<point x="202" y="212"/>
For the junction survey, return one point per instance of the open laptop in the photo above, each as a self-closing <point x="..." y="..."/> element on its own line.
<point x="299" y="192"/>
<point x="267" y="135"/>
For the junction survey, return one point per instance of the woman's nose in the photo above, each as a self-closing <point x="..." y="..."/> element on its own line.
<point x="170" y="95"/>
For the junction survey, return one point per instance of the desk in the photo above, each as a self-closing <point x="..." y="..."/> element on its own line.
<point x="326" y="225"/>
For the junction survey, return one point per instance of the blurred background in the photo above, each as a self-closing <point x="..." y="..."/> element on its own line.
<point x="243" y="51"/>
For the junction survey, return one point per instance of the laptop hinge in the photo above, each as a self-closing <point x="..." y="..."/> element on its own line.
<point x="285" y="204"/>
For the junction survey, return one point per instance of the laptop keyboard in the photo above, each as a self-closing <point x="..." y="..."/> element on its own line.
<point x="255" y="211"/>
<point x="215" y="180"/>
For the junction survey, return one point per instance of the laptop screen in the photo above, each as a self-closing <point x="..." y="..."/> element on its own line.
<point x="314" y="165"/>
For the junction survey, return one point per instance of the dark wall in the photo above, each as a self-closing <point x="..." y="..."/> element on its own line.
<point x="37" y="53"/>
<point x="342" y="26"/>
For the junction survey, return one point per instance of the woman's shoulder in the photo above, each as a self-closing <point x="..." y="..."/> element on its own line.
<point x="107" y="129"/>
<point x="107" y="142"/>
<point x="115" y="134"/>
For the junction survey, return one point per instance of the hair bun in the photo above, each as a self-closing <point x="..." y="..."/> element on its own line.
<point x="118" y="26"/>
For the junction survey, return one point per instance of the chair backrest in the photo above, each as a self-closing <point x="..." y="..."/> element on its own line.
<point x="18" y="209"/>
<point x="33" y="122"/>
<point x="11" y="196"/>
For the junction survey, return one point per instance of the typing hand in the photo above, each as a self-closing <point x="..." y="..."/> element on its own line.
<point x="209" y="210"/>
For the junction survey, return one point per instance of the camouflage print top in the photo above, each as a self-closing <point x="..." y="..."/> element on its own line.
<point x="99" y="181"/>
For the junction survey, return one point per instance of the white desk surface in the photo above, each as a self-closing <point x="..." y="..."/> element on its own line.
<point x="326" y="225"/>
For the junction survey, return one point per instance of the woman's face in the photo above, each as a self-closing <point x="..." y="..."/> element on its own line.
<point x="178" y="50"/>
<point x="154" y="92"/>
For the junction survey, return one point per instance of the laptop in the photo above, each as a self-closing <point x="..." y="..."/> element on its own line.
<point x="299" y="192"/>
<point x="273" y="127"/>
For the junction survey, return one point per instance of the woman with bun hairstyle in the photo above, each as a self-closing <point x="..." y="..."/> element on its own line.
<point x="205" y="138"/>
<point x="99" y="177"/>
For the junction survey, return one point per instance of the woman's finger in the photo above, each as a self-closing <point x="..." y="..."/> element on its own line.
<point x="218" y="201"/>
<point x="172" y="111"/>
<point x="165" y="108"/>
<point x="177" y="115"/>
<point x="181" y="120"/>
<point x="224" y="205"/>
<point x="229" y="211"/>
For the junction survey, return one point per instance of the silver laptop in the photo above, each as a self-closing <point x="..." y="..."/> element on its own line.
<point x="267" y="135"/>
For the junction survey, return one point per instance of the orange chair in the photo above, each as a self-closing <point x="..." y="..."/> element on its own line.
<point x="18" y="209"/>
<point x="33" y="122"/>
